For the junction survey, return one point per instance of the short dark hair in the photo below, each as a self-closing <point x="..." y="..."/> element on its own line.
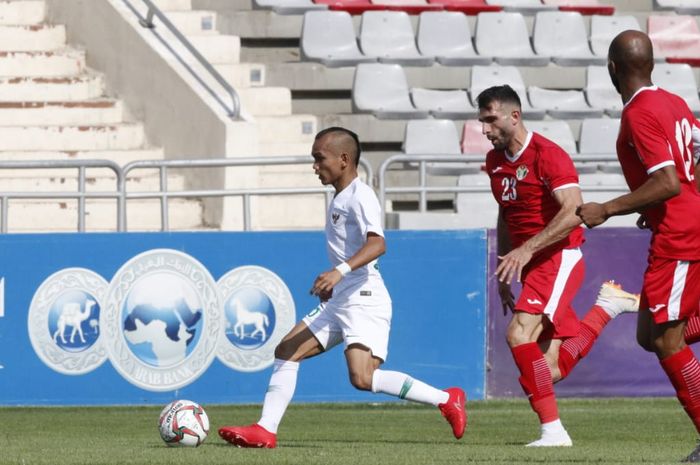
<point x="503" y="94"/>
<point x="347" y="132"/>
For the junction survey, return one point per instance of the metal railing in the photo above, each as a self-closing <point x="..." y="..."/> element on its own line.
<point x="164" y="195"/>
<point x="81" y="194"/>
<point x="234" y="110"/>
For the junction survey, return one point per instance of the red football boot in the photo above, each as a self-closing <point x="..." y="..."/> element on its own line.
<point x="248" y="436"/>
<point x="455" y="411"/>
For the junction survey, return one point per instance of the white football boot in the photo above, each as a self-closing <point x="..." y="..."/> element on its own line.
<point x="614" y="300"/>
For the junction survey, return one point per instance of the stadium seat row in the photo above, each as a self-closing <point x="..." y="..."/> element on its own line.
<point x="560" y="37"/>
<point x="470" y="7"/>
<point x="382" y="89"/>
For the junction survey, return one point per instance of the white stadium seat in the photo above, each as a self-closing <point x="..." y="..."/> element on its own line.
<point x="329" y="37"/>
<point x="484" y="77"/>
<point x="382" y="89"/>
<point x="598" y="136"/>
<point x="557" y="131"/>
<point x="684" y="7"/>
<point x="450" y="104"/>
<point x="436" y="137"/>
<point x="446" y="36"/>
<point x="605" y="28"/>
<point x="289" y="7"/>
<point x="562" y="35"/>
<point x="563" y="104"/>
<point x="504" y="36"/>
<point x="389" y="36"/>
<point x="522" y="6"/>
<point x="600" y="91"/>
<point x="679" y="79"/>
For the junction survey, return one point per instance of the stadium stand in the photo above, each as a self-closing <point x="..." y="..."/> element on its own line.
<point x="522" y="6"/>
<point x="562" y="104"/>
<point x="389" y="36"/>
<point x="605" y="28"/>
<point x="484" y="77"/>
<point x="452" y="104"/>
<point x="329" y="38"/>
<point x="680" y="79"/>
<point x="436" y="137"/>
<point x="684" y="7"/>
<point x="600" y="92"/>
<point x="289" y="7"/>
<point x="675" y="38"/>
<point x="447" y="36"/>
<point x="562" y="35"/>
<point x="382" y="89"/>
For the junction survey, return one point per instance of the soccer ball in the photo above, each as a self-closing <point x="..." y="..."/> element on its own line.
<point x="183" y="423"/>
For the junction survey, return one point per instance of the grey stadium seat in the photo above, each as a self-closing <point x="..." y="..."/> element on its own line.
<point x="450" y="104"/>
<point x="679" y="79"/>
<point x="446" y="36"/>
<point x="605" y="28"/>
<point x="484" y="77"/>
<point x="389" y="36"/>
<point x="436" y="137"/>
<point x="598" y="138"/>
<point x="562" y="35"/>
<point x="557" y="131"/>
<point x="527" y="7"/>
<point x="564" y="104"/>
<point x="504" y="36"/>
<point x="682" y="7"/>
<point x="289" y="7"/>
<point x="382" y="89"/>
<point x="600" y="91"/>
<point x="329" y="37"/>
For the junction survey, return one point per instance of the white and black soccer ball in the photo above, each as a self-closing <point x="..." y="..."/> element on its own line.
<point x="183" y="423"/>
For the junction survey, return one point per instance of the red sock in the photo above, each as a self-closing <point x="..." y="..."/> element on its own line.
<point x="692" y="330"/>
<point x="575" y="348"/>
<point x="683" y="370"/>
<point x="536" y="380"/>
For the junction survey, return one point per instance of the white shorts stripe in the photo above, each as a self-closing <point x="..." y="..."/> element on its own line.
<point x="569" y="259"/>
<point x="674" y="300"/>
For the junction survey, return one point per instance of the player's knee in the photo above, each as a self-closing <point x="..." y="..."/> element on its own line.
<point x="361" y="381"/>
<point x="645" y="343"/>
<point x="516" y="338"/>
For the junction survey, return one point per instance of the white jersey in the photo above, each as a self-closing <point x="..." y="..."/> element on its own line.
<point x="352" y="214"/>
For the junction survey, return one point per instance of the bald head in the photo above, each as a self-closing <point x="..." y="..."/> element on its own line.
<point x="341" y="140"/>
<point x="632" y="53"/>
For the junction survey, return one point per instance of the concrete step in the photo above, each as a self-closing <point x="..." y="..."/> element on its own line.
<point x="51" y="89"/>
<point x="97" y="180"/>
<point x="24" y="12"/>
<point x="173" y="5"/>
<point x="142" y="215"/>
<point x="243" y="74"/>
<point x="293" y="129"/>
<point x="217" y="48"/>
<point x="72" y="138"/>
<point x="121" y="157"/>
<point x="34" y="38"/>
<point x="193" y="22"/>
<point x="266" y="101"/>
<point x="67" y="62"/>
<point x="86" y="112"/>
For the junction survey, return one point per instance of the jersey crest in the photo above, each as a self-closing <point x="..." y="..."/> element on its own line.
<point x="521" y="172"/>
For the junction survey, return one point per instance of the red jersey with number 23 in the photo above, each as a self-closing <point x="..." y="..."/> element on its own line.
<point x="655" y="132"/>
<point x="523" y="185"/>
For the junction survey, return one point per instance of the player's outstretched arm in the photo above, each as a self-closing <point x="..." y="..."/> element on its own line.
<point x="662" y="185"/>
<point x="558" y="228"/>
<point x="374" y="247"/>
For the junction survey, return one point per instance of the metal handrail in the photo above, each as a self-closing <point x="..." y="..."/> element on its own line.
<point x="80" y="194"/>
<point x="422" y="189"/>
<point x="164" y="194"/>
<point x="234" y="111"/>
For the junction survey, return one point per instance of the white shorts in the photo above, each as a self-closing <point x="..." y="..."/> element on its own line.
<point x="354" y="323"/>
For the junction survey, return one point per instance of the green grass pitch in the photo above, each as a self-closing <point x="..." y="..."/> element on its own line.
<point x="604" y="431"/>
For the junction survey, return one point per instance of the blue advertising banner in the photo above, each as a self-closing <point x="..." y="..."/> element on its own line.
<point x="89" y="319"/>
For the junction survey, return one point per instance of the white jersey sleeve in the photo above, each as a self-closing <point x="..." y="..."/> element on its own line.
<point x="696" y="142"/>
<point x="367" y="211"/>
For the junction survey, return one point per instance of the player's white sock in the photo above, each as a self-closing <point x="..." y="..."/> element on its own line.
<point x="553" y="435"/>
<point x="403" y="386"/>
<point x="279" y="393"/>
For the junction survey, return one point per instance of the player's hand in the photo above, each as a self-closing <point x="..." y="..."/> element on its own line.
<point x="325" y="282"/>
<point x="592" y="214"/>
<point x="642" y="222"/>
<point x="325" y="295"/>
<point x="507" y="297"/>
<point x="512" y="264"/>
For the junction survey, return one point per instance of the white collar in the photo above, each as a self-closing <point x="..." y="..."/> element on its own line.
<point x="641" y="89"/>
<point x="512" y="158"/>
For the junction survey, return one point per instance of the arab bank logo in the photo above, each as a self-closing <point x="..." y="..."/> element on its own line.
<point x="161" y="320"/>
<point x="64" y="321"/>
<point x="258" y="311"/>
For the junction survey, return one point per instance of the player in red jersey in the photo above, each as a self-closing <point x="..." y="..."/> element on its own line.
<point x="655" y="148"/>
<point x="536" y="186"/>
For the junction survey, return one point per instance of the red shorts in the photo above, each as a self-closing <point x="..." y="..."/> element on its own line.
<point x="671" y="289"/>
<point x="549" y="286"/>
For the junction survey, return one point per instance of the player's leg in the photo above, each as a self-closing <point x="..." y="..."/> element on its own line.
<point x="692" y="330"/>
<point x="366" y="327"/>
<point x="611" y="302"/>
<point x="306" y="339"/>
<point x="536" y="377"/>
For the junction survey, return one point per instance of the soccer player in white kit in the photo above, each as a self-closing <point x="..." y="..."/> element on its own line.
<point x="355" y="306"/>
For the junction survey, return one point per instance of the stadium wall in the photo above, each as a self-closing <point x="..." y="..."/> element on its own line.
<point x="115" y="287"/>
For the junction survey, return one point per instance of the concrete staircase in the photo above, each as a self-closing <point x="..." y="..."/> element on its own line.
<point x="52" y="107"/>
<point x="279" y="131"/>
